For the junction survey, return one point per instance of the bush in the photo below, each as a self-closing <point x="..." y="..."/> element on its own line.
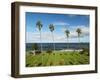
<point x="61" y="62"/>
<point x="27" y="65"/>
<point x="70" y="63"/>
<point x="53" y="53"/>
<point x="34" y="46"/>
<point x="51" y="63"/>
<point x="37" y="51"/>
<point x="85" y="51"/>
<point x="39" y="64"/>
<point x="30" y="52"/>
<point x="49" y="51"/>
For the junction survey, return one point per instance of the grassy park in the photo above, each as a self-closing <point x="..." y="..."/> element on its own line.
<point x="57" y="58"/>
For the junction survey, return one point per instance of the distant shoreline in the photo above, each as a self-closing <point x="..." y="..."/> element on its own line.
<point x="67" y="50"/>
<point x="60" y="43"/>
<point x="58" y="46"/>
<point x="72" y="50"/>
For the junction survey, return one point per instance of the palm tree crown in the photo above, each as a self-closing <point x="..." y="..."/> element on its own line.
<point x="39" y="25"/>
<point x="67" y="32"/>
<point x="51" y="27"/>
<point x="79" y="31"/>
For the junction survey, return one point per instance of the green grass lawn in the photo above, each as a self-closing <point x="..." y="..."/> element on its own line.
<point x="56" y="58"/>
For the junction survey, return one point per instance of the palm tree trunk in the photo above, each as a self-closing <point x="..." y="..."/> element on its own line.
<point x="79" y="41"/>
<point x="41" y="47"/>
<point x="34" y="52"/>
<point x="41" y="42"/>
<point x="53" y="41"/>
<point x="67" y="43"/>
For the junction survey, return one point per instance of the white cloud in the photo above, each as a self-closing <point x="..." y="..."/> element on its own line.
<point x="60" y="23"/>
<point x="72" y="15"/>
<point x="73" y="33"/>
<point x="47" y="37"/>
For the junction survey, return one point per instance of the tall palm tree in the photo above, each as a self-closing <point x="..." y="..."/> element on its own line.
<point x="67" y="32"/>
<point x="79" y="32"/>
<point x="39" y="25"/>
<point x="51" y="27"/>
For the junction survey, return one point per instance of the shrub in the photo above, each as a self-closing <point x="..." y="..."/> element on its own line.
<point x="27" y="64"/>
<point x="37" y="51"/>
<point x="39" y="64"/>
<point x="61" y="62"/>
<point x="30" y="52"/>
<point x="85" y="51"/>
<point x="34" y="46"/>
<point x="80" y="62"/>
<point x="70" y="62"/>
<point x="51" y="63"/>
<point x="49" y="51"/>
<point x="53" y="53"/>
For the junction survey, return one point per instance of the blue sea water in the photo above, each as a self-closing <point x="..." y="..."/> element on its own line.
<point x="58" y="46"/>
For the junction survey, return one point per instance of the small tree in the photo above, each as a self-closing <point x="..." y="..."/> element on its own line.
<point x="34" y="47"/>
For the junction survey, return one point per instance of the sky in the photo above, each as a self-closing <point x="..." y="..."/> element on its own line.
<point x="61" y="22"/>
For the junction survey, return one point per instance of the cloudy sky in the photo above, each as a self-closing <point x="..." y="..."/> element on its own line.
<point x="61" y="23"/>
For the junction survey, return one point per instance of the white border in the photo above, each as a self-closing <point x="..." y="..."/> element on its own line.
<point x="38" y="70"/>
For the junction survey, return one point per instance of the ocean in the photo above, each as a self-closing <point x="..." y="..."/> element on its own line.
<point x="58" y="46"/>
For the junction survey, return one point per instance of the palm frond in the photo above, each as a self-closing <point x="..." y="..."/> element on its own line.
<point x="51" y="27"/>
